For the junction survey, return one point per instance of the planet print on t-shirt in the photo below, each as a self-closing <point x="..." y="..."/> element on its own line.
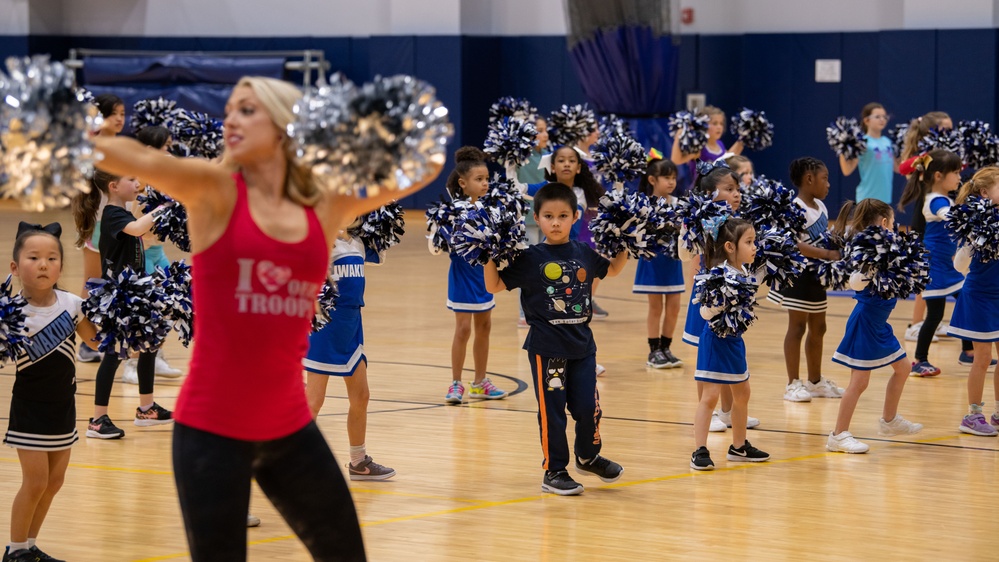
<point x="566" y="286"/>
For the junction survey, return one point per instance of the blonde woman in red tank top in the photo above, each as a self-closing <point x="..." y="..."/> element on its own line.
<point x="261" y="230"/>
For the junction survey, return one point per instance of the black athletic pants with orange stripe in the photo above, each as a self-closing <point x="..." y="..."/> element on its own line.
<point x="560" y="383"/>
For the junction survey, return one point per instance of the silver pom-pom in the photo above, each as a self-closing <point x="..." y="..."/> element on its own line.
<point x="387" y="134"/>
<point x="45" y="126"/>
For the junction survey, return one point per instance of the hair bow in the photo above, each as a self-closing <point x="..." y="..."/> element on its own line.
<point x="713" y="224"/>
<point x="55" y="229"/>
<point x="704" y="167"/>
<point x="653" y="155"/>
<point x="922" y="161"/>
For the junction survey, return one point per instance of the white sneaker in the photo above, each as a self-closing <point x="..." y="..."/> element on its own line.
<point x="912" y="333"/>
<point x="131" y="374"/>
<point x="795" y="392"/>
<point x="726" y="418"/>
<point x="825" y="388"/>
<point x="717" y="426"/>
<point x="164" y="369"/>
<point x="898" y="426"/>
<point x="600" y="369"/>
<point x="252" y="520"/>
<point x="942" y="330"/>
<point x="845" y="443"/>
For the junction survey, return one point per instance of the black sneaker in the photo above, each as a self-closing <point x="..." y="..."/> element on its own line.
<point x="23" y="555"/>
<point x="746" y="453"/>
<point x="155" y="415"/>
<point x="560" y="483"/>
<point x="41" y="556"/>
<point x="672" y="361"/>
<point x="701" y="460"/>
<point x="606" y="469"/>
<point x="103" y="428"/>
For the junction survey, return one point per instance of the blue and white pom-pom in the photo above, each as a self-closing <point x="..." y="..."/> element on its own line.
<point x="177" y="305"/>
<point x="488" y="230"/>
<point x="619" y="158"/>
<point x="845" y="138"/>
<point x="157" y="112"/>
<point x="47" y="156"/>
<point x="128" y="311"/>
<point x="571" y="123"/>
<point x="896" y="263"/>
<point x="325" y="304"/>
<point x="382" y="228"/>
<point x="975" y="225"/>
<point x="981" y="146"/>
<point x="13" y="332"/>
<point x="896" y="135"/>
<point x="753" y="128"/>
<point x="690" y="130"/>
<point x="777" y="258"/>
<point x="514" y="108"/>
<point x="613" y="125"/>
<point x="440" y="222"/>
<point x="504" y="191"/>
<point x="668" y="222"/>
<point x="627" y="222"/>
<point x="769" y="204"/>
<point x="200" y="134"/>
<point x="833" y="275"/>
<point x="733" y="294"/>
<point x="943" y="139"/>
<point x="510" y="141"/>
<point x="171" y="222"/>
<point x="692" y="213"/>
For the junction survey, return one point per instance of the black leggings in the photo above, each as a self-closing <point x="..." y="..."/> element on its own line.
<point x="297" y="473"/>
<point x="105" y="375"/>
<point x="934" y="315"/>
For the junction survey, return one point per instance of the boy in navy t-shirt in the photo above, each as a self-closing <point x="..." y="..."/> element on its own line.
<point x="556" y="280"/>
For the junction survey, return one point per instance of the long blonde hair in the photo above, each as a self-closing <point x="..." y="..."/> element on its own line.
<point x="277" y="98"/>
<point x="981" y="181"/>
<point x="919" y="128"/>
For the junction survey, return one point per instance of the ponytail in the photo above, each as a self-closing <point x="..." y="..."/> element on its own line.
<point x="85" y="206"/>
<point x="864" y="214"/>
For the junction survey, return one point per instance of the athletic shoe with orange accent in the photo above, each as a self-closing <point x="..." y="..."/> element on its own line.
<point x="368" y="469"/>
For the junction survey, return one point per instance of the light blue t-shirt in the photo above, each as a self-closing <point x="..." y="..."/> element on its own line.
<point x="876" y="166"/>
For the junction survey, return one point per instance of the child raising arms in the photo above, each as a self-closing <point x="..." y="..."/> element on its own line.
<point x="555" y="278"/>
<point x="121" y="246"/>
<point x="869" y="342"/>
<point x="466" y="292"/>
<point x="660" y="278"/>
<point x="721" y="363"/>
<point x="805" y="301"/>
<point x="42" y="424"/>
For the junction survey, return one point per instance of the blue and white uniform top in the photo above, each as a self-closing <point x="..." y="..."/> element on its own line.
<point x="944" y="279"/>
<point x="46" y="369"/>
<point x="816" y="221"/>
<point x="338" y="348"/>
<point x="662" y="274"/>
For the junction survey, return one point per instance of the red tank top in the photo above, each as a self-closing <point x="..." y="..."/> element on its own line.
<point x="255" y="298"/>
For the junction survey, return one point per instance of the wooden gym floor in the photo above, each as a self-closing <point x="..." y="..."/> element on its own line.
<point x="468" y="483"/>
